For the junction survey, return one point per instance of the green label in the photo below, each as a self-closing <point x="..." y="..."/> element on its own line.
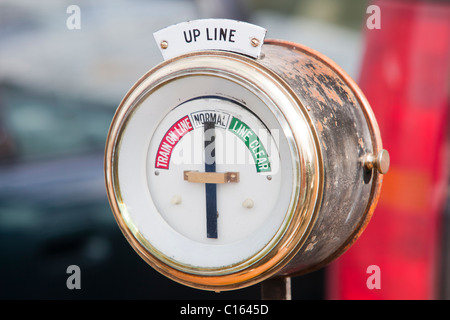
<point x="254" y="145"/>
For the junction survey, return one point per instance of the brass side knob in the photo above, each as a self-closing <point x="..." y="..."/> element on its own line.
<point x="380" y="161"/>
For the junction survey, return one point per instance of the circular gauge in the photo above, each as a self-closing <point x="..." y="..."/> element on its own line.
<point x="213" y="173"/>
<point x="212" y="170"/>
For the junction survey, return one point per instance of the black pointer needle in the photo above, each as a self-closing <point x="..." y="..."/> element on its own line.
<point x="211" y="188"/>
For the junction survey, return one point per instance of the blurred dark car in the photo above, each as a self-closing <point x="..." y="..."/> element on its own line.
<point x="54" y="211"/>
<point x="53" y="208"/>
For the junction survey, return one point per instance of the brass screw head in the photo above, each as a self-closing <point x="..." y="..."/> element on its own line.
<point x="164" y="44"/>
<point x="254" y="42"/>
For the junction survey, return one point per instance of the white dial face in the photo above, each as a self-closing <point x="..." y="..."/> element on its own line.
<point x="205" y="140"/>
<point x="205" y="181"/>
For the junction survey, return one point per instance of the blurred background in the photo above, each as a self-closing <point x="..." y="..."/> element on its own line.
<point x="59" y="89"/>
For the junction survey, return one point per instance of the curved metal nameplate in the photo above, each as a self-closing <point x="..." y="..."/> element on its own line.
<point x="210" y="34"/>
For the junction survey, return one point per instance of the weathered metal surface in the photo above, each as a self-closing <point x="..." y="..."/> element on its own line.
<point x="347" y="133"/>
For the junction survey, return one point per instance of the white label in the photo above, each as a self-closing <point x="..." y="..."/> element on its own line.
<point x="210" y="34"/>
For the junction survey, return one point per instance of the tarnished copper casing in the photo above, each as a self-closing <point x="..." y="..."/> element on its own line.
<point x="347" y="131"/>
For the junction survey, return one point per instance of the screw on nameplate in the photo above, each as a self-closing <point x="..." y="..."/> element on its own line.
<point x="164" y="44"/>
<point x="210" y="34"/>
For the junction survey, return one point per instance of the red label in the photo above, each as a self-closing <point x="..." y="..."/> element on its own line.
<point x="169" y="141"/>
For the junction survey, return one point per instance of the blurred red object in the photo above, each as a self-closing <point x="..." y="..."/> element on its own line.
<point x="406" y="78"/>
